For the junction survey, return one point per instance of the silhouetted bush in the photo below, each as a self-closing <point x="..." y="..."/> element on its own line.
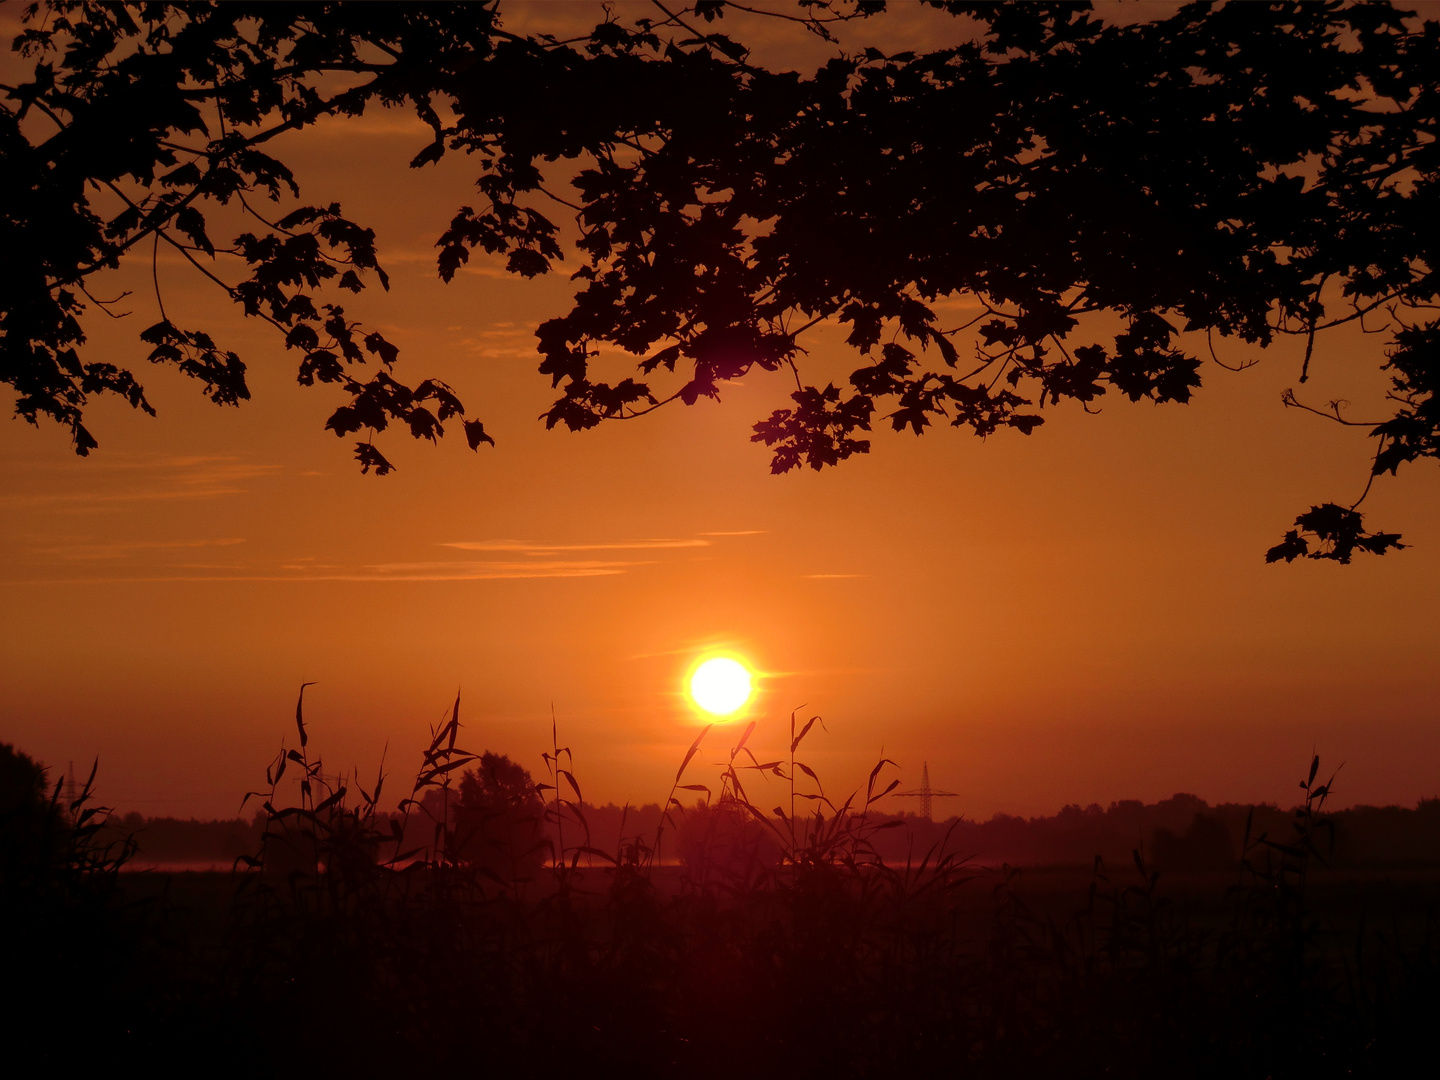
<point x="71" y="939"/>
<point x="724" y="843"/>
<point x="498" y="820"/>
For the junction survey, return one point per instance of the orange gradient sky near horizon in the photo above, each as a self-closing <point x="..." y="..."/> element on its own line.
<point x="1079" y="616"/>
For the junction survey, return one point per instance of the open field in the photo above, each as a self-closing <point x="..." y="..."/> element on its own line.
<point x="819" y="970"/>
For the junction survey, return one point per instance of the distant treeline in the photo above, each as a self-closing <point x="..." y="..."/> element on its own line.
<point x="1180" y="833"/>
<point x="174" y="840"/>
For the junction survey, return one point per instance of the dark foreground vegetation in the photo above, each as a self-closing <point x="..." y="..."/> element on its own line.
<point x="786" y="944"/>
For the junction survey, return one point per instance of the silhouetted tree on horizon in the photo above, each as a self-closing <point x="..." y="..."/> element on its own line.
<point x="31" y="823"/>
<point x="498" y="819"/>
<point x="1245" y="171"/>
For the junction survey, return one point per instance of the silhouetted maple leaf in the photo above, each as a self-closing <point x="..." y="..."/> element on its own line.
<point x="1338" y="532"/>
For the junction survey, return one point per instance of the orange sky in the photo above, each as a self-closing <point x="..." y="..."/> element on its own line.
<point x="1083" y="615"/>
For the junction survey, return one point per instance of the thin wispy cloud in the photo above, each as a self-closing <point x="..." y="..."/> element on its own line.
<point x="484" y="265"/>
<point x="499" y="341"/>
<point x="527" y="560"/>
<point x="531" y="548"/>
<point x="696" y="648"/>
<point x="463" y="571"/>
<point x="399" y="572"/>
<point x="158" y="480"/>
<point x="303" y="571"/>
<point x="86" y="552"/>
<point x="83" y="499"/>
<point x="119" y="462"/>
<point x="387" y="124"/>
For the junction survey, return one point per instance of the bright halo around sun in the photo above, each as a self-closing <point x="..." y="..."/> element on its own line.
<point x="721" y="685"/>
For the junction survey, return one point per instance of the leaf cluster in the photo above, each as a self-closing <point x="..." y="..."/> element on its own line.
<point x="1247" y="171"/>
<point x="139" y="122"/>
<point x="1243" y="171"/>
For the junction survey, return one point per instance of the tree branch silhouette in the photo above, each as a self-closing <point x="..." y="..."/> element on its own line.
<point x="1215" y="171"/>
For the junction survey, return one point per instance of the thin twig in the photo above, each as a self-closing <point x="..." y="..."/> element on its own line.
<point x="1289" y="399"/>
<point x="155" y="274"/>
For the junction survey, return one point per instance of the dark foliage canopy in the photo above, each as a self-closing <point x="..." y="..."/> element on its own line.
<point x="22" y="785"/>
<point x="1244" y="171"/>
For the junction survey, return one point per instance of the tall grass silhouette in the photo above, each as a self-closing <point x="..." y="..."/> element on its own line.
<point x="783" y="945"/>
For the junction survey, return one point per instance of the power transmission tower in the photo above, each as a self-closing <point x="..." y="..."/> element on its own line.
<point x="925" y="793"/>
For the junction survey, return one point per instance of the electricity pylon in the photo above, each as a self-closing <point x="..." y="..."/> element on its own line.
<point x="925" y="793"/>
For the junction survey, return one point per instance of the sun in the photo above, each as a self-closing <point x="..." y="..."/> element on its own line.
<point x="721" y="685"/>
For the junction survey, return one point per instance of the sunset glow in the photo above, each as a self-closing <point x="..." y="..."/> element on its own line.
<point x="721" y="685"/>
<point x="615" y="534"/>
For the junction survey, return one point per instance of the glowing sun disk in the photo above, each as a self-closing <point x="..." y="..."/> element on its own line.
<point x="720" y="686"/>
